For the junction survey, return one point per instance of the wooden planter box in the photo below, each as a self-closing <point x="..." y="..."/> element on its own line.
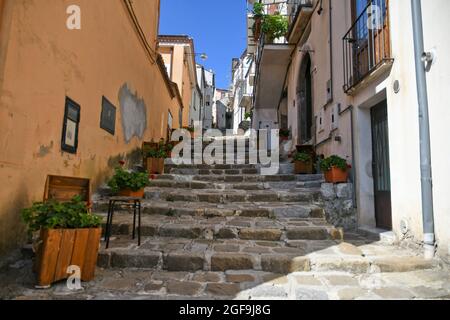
<point x="132" y="194"/>
<point x="303" y="167"/>
<point x="61" y="248"/>
<point x="155" y="165"/>
<point x="336" y="175"/>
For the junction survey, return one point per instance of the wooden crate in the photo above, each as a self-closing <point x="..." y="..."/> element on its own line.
<point x="146" y="146"/>
<point x="63" y="189"/>
<point x="61" y="248"/>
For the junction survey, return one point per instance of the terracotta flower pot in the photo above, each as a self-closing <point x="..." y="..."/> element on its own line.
<point x="303" y="167"/>
<point x="336" y="175"/>
<point x="155" y="165"/>
<point x="61" y="248"/>
<point x="131" y="193"/>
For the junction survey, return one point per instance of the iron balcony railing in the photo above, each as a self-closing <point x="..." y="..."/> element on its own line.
<point x="366" y="45"/>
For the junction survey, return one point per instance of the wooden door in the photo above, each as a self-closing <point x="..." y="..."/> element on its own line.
<point x="381" y="166"/>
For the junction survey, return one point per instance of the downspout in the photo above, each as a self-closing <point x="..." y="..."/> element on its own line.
<point x="350" y="109"/>
<point x="424" y="130"/>
<point x="331" y="51"/>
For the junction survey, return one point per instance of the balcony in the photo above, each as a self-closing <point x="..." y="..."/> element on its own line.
<point x="272" y="62"/>
<point x="245" y="96"/>
<point x="300" y="12"/>
<point x="366" y="46"/>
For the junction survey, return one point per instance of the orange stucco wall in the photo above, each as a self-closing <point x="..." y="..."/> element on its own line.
<point x="179" y="73"/>
<point x="43" y="62"/>
<point x="187" y="93"/>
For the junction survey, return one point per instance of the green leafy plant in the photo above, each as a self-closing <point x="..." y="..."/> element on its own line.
<point x="190" y="129"/>
<point x="302" y="156"/>
<point x="169" y="146"/>
<point x="258" y="10"/>
<point x="159" y="150"/>
<point x="157" y="153"/>
<point x="123" y="180"/>
<point x="275" y="26"/>
<point x="285" y="133"/>
<point x="248" y="115"/>
<point x="333" y="161"/>
<point x="60" y="215"/>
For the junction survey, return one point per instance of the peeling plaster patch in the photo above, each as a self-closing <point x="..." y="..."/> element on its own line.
<point x="132" y="158"/>
<point x="133" y="114"/>
<point x="44" y="150"/>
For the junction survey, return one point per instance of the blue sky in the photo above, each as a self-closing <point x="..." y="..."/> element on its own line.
<point x="217" y="27"/>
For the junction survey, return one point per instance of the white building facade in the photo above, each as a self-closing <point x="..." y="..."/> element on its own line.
<point x="347" y="85"/>
<point x="243" y="74"/>
<point x="208" y="87"/>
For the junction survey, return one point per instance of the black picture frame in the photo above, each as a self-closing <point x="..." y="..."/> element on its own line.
<point x="108" y="116"/>
<point x="71" y="124"/>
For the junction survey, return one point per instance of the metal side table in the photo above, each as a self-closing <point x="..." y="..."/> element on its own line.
<point x="133" y="202"/>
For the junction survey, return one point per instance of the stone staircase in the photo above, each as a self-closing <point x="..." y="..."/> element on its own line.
<point x="229" y="218"/>
<point x="223" y="217"/>
<point x="226" y="231"/>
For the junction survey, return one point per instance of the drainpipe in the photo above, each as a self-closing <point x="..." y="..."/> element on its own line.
<point x="331" y="50"/>
<point x="424" y="129"/>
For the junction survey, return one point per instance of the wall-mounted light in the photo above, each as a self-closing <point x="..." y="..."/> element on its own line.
<point x="202" y="56"/>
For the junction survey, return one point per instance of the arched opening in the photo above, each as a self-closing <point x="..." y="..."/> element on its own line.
<point x="304" y="97"/>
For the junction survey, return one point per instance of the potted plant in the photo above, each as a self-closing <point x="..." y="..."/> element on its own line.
<point x="191" y="130"/>
<point x="155" y="160"/>
<point x="274" y="26"/>
<point x="128" y="184"/>
<point x="303" y="163"/>
<point x="284" y="134"/>
<point x="169" y="147"/>
<point x="248" y="116"/>
<point x="68" y="235"/>
<point x="258" y="15"/>
<point x="335" y="169"/>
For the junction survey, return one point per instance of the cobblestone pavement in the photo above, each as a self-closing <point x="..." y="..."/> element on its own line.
<point x="402" y="279"/>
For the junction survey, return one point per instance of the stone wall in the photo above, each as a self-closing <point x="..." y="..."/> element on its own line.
<point x="339" y="205"/>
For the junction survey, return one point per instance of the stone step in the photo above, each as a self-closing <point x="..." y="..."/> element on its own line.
<point x="203" y="209"/>
<point x="243" y="228"/>
<point x="169" y="166"/>
<point x="192" y="173"/>
<point x="161" y="182"/>
<point x="187" y="171"/>
<point x="304" y="195"/>
<point x="253" y="178"/>
<point x="176" y="254"/>
<point x="187" y="255"/>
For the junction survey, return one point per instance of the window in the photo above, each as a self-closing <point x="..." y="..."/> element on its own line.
<point x="69" y="140"/>
<point x="108" y="116"/>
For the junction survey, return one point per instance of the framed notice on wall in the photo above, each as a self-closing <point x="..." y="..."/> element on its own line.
<point x="69" y="140"/>
<point x="108" y="116"/>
